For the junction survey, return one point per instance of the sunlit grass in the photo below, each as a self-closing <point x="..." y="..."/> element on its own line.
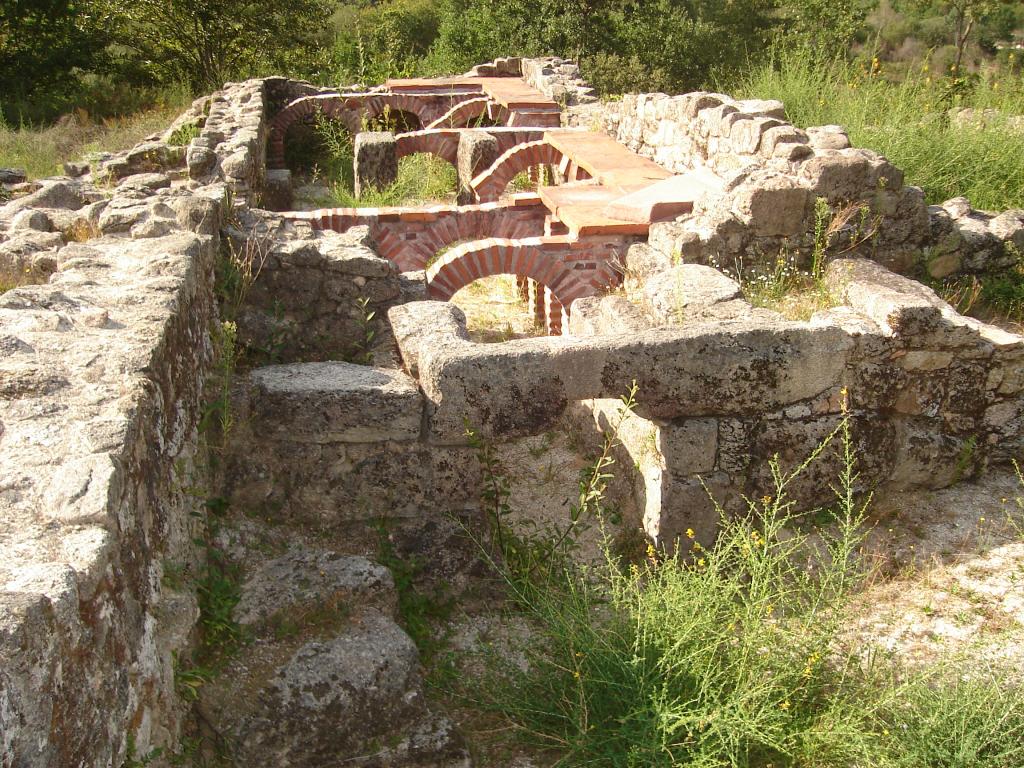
<point x="909" y="123"/>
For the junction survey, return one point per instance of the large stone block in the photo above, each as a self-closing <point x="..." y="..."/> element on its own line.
<point x="335" y="402"/>
<point x="477" y="152"/>
<point x="376" y="160"/>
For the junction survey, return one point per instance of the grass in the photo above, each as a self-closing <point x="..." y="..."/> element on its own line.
<point x="41" y="151"/>
<point x="908" y="122"/>
<point x="495" y="310"/>
<point x="421" y="178"/>
<point x="732" y="654"/>
<point x="995" y="298"/>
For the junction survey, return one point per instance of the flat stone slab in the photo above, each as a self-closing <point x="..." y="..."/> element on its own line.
<point x="605" y="159"/>
<point x="335" y="402"/>
<point x="665" y="199"/>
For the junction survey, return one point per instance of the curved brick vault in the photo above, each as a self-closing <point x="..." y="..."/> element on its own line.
<point x="568" y="268"/>
<point x="465" y="112"/>
<point x="491" y="183"/>
<point x="411" y="237"/>
<point x="350" y="109"/>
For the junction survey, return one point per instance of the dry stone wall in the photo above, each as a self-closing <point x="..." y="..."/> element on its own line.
<point x="102" y="376"/>
<point x="772" y="174"/>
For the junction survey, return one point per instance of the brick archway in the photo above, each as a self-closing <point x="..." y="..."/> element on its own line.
<point x="540" y="259"/>
<point x="374" y="106"/>
<point x="333" y="107"/>
<point x="442" y="143"/>
<point x="463" y="113"/>
<point x="491" y="183"/>
<point x="350" y="109"/>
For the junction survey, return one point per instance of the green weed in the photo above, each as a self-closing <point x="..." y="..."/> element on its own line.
<point x="183" y="134"/>
<point x="731" y="653"/>
<point x="420" y="611"/>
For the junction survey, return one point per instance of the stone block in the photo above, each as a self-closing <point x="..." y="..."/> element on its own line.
<point x="689" y="446"/>
<point x="335" y="402"/>
<point x="687" y="289"/>
<point x="477" y="152"/>
<point x="772" y="204"/>
<point x="278" y="193"/>
<point x="376" y="160"/>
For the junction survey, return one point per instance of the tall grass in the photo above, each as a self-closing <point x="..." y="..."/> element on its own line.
<point x="733" y="654"/>
<point x="41" y="151"/>
<point x="421" y="178"/>
<point x="908" y="122"/>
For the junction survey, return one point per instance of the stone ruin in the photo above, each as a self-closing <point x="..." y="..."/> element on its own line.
<point x="108" y="363"/>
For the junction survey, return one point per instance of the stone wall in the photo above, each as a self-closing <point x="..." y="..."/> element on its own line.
<point x="101" y="380"/>
<point x="330" y="444"/>
<point x="773" y="172"/>
<point x="102" y="372"/>
<point x="932" y="395"/>
<point x="312" y="292"/>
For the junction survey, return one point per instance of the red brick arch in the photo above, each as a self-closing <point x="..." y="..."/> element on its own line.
<point x="410" y="237"/>
<point x="461" y="114"/>
<point x="528" y="257"/>
<point x="439" y="142"/>
<point x="333" y="106"/>
<point x="374" y="106"/>
<point x="491" y="183"/>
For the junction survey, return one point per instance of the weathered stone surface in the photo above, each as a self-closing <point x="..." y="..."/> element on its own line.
<point x="376" y="160"/>
<point x="278" y="193"/>
<point x="335" y="402"/>
<point x="702" y="369"/>
<point x="687" y="289"/>
<point x="31" y="218"/>
<point x="477" y="152"/>
<point x="689" y="446"/>
<point x="339" y="698"/>
<point x="97" y="462"/>
<point x="303" y="581"/>
<point x="828" y="137"/>
<point x="12" y="176"/>
<point x="148" y="182"/>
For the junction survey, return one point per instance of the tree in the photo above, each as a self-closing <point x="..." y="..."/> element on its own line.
<point x="966" y="16"/>
<point x="42" y="44"/>
<point x="205" y="42"/>
<point x="825" y="27"/>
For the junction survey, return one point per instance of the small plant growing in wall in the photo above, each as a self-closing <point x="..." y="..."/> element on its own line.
<point x="365" y="333"/>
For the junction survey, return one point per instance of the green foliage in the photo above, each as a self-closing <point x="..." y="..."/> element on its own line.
<point x="419" y="610"/>
<point x="40" y="151"/>
<point x="385" y="40"/>
<point x="206" y="42"/>
<point x="42" y="42"/>
<point x="532" y="555"/>
<point x="732" y="654"/>
<point x="361" y="352"/>
<point x="182" y="135"/>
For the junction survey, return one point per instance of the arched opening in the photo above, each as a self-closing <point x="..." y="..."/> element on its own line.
<point x="394" y="120"/>
<point x="498" y="309"/>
